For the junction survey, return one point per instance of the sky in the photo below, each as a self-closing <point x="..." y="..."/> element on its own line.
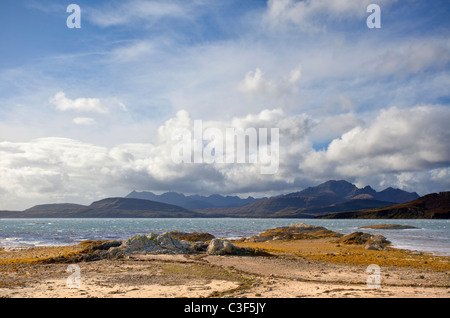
<point x="90" y="112"/>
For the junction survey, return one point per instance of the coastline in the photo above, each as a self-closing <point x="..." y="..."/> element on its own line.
<point x="431" y="235"/>
<point x="311" y="268"/>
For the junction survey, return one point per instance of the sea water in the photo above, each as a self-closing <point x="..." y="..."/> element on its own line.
<point x="430" y="236"/>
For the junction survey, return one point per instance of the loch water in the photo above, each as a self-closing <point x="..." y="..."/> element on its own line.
<point x="429" y="236"/>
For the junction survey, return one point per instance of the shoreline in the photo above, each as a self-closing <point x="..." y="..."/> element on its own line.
<point x="25" y="248"/>
<point x="420" y="242"/>
<point x="311" y="268"/>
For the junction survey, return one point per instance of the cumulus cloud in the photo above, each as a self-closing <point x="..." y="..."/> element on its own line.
<point x="402" y="147"/>
<point x="63" y="103"/>
<point x="343" y="80"/>
<point x="49" y="169"/>
<point x="333" y="126"/>
<point x="398" y="140"/>
<point x="256" y="82"/>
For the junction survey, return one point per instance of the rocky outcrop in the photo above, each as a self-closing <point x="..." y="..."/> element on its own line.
<point x="305" y="228"/>
<point x="220" y="247"/>
<point x="167" y="244"/>
<point x="294" y="231"/>
<point x="388" y="227"/>
<point x="371" y="242"/>
<point x="192" y="236"/>
<point x="225" y="247"/>
<point x="154" y="243"/>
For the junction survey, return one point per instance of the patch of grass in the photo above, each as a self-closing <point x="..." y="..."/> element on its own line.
<point x="194" y="271"/>
<point x="39" y="255"/>
<point x="325" y="250"/>
<point x="53" y="254"/>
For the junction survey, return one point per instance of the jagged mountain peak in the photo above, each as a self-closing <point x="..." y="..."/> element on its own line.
<point x="194" y="201"/>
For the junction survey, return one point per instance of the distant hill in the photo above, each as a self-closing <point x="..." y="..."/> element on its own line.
<point x="61" y="207"/>
<point x="106" y="208"/>
<point x="351" y="205"/>
<point x="197" y="202"/>
<point x="330" y="196"/>
<point x="430" y="206"/>
<point x="395" y="195"/>
<point x="344" y="190"/>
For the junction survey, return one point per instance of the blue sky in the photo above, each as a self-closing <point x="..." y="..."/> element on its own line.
<point x="87" y="113"/>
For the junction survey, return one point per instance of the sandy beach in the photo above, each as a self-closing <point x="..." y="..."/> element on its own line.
<point x="312" y="268"/>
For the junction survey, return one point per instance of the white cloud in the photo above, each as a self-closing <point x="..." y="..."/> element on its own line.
<point x="411" y="58"/>
<point x="256" y="82"/>
<point x="136" y="12"/>
<point x="132" y="52"/>
<point x="63" y="103"/>
<point x="50" y="169"/>
<point x="333" y="126"/>
<point x="309" y="15"/>
<point x="400" y="147"/>
<point x="342" y="75"/>
<point x="84" y="121"/>
<point x="399" y="140"/>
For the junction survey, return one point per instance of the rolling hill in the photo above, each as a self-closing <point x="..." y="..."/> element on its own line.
<point x="106" y="208"/>
<point x="430" y="206"/>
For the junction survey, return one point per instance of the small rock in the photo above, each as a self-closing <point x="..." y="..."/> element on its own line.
<point x="371" y="242"/>
<point x="192" y="237"/>
<point x="388" y="227"/>
<point x="302" y="227"/>
<point x="168" y="242"/>
<point x="219" y="247"/>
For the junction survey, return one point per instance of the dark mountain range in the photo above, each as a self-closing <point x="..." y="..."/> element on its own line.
<point x="344" y="190"/>
<point x="430" y="206"/>
<point x="197" y="202"/>
<point x="331" y="196"/>
<point x="395" y="195"/>
<point x="106" y="208"/>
